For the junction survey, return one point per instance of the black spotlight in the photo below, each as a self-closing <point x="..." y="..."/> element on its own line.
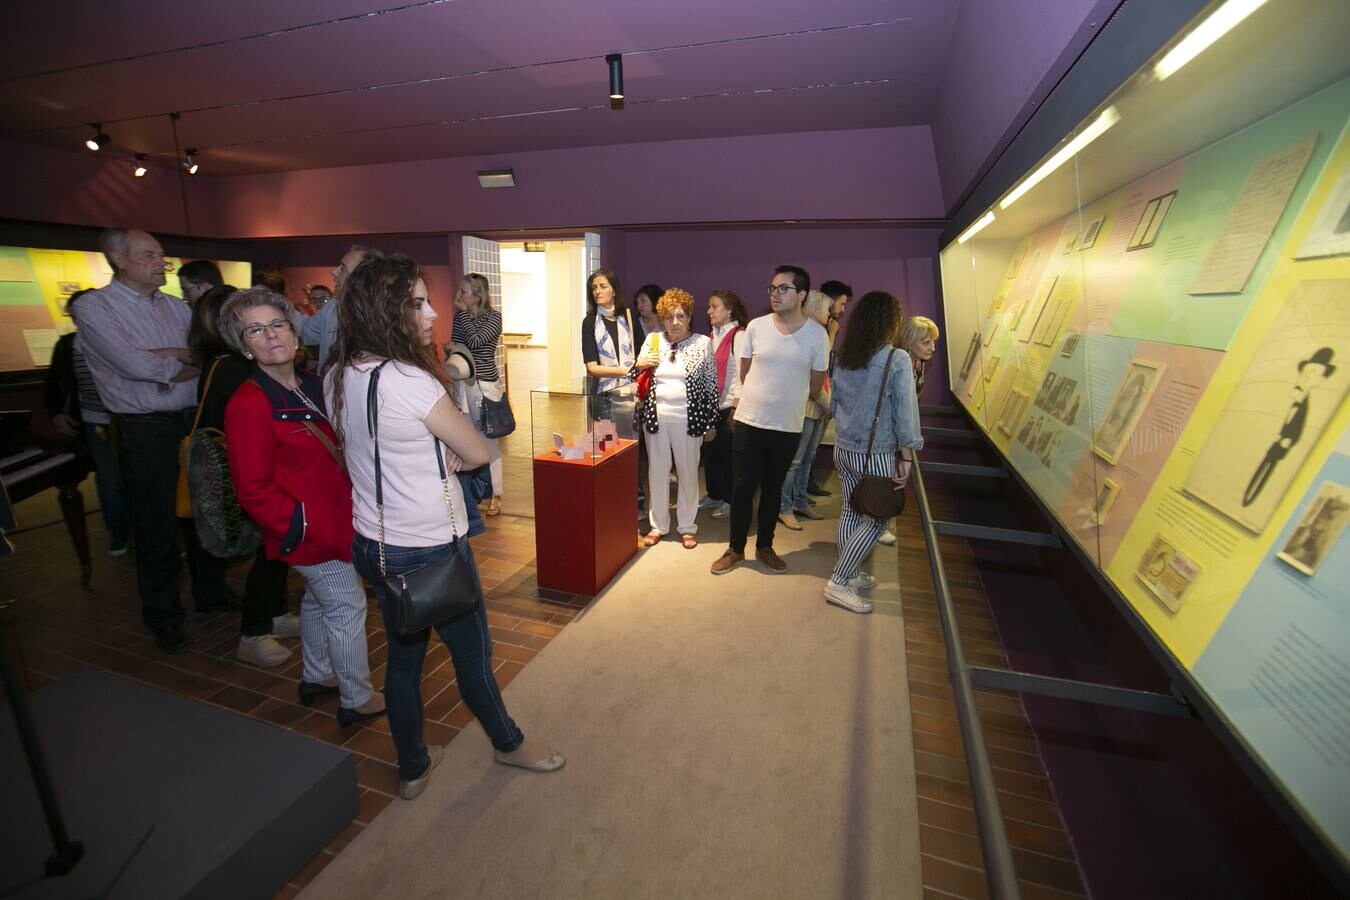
<point x="140" y="169"/>
<point x="615" y="61"/>
<point x="100" y="140"/>
<point x="191" y="166"/>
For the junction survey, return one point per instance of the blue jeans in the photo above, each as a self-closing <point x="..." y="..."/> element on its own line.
<point x="110" y="494"/>
<point x="470" y="651"/>
<point x="799" y="473"/>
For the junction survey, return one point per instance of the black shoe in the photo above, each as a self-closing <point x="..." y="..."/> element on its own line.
<point x="312" y="690"/>
<point x="170" y="638"/>
<point x="226" y="601"/>
<point x="816" y="490"/>
<point x="347" y="716"/>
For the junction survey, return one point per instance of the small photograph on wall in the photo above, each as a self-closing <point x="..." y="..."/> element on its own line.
<point x="989" y="334"/>
<point x="972" y="354"/>
<point x="1319" y="529"/>
<point x="991" y="367"/>
<point x="1015" y="264"/>
<point x="1113" y="435"/>
<point x="1106" y="498"/>
<point x="1150" y="223"/>
<point x="1166" y="572"/>
<point x="1012" y="411"/>
<point x="1070" y="344"/>
<point x="1330" y="233"/>
<point x="1090" y="233"/>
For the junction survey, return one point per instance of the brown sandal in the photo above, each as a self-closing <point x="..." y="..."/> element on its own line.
<point x="494" y="507"/>
<point x="688" y="541"/>
<point x="652" y="539"/>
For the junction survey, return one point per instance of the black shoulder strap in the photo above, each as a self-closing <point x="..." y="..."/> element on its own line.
<point x="876" y="414"/>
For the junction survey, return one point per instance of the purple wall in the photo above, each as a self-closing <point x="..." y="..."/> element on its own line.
<point x="1000" y="54"/>
<point x="78" y="188"/>
<point x="900" y="260"/>
<point x="884" y="173"/>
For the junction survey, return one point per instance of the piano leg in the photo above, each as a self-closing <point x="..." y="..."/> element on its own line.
<point x="72" y="508"/>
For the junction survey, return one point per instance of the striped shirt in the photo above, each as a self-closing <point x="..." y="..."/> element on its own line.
<point x="118" y="329"/>
<point x="91" y="405"/>
<point x="480" y="335"/>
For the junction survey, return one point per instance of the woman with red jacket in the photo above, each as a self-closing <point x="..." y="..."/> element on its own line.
<point x="289" y="477"/>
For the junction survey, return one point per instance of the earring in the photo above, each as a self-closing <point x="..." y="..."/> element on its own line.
<point x="248" y="356"/>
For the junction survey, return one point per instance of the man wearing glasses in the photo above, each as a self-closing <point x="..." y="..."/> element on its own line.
<point x="783" y="362"/>
<point x="134" y="337"/>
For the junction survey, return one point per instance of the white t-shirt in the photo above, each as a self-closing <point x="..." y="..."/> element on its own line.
<point x="414" y="503"/>
<point x="774" y="394"/>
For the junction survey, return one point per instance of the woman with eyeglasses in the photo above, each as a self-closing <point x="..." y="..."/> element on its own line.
<point x="386" y="351"/>
<point x="479" y="327"/>
<point x="288" y="474"/>
<point x="266" y="615"/>
<point x="678" y="415"/>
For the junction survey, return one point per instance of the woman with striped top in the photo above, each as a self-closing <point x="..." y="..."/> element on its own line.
<point x="479" y="327"/>
<point x="868" y="362"/>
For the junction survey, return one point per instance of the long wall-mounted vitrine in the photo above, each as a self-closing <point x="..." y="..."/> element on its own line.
<point x="1152" y="325"/>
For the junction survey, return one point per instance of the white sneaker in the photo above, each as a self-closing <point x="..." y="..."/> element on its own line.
<point x="862" y="581"/>
<point x="286" y="626"/>
<point x="887" y="538"/>
<point x="722" y="510"/>
<point x="262" y="651"/>
<point x="846" y="597"/>
<point x="708" y="503"/>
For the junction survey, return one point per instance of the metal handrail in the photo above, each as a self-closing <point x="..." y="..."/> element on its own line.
<point x="999" y="870"/>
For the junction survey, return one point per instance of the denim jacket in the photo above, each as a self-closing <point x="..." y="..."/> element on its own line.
<point x="855" y="400"/>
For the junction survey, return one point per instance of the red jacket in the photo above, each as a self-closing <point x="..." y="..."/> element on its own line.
<point x="287" y="481"/>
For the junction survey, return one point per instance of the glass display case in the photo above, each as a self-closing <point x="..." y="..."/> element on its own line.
<point x="585" y="483"/>
<point x="579" y="423"/>
<point x="1152" y="325"/>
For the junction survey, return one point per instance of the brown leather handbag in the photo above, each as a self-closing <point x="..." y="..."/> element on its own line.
<point x="876" y="495"/>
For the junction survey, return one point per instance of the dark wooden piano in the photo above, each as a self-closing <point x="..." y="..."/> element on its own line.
<point x="31" y="463"/>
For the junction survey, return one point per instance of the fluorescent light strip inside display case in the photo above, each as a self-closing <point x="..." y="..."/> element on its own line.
<point x="1154" y="329"/>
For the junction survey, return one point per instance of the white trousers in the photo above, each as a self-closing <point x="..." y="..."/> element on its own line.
<point x="672" y="442"/>
<point x="333" y="630"/>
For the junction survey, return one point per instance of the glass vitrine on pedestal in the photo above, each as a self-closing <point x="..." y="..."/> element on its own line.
<point x="585" y="483"/>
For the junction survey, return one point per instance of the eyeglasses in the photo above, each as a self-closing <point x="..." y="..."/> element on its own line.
<point x="278" y="326"/>
<point x="781" y="290"/>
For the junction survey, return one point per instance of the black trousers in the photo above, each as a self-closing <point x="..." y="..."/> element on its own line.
<point x="717" y="459"/>
<point x="147" y="447"/>
<point x="760" y="461"/>
<point x="264" y="595"/>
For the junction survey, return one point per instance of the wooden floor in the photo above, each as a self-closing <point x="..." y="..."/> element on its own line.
<point x="62" y="628"/>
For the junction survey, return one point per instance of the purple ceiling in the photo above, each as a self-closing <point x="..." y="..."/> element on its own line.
<point x="266" y="86"/>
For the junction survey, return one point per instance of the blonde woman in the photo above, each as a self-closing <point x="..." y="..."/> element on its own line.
<point x="479" y="327"/>
<point x="678" y="414"/>
<point x="918" y="337"/>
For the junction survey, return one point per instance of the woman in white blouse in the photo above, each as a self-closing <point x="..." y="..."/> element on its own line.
<point x="677" y="415"/>
<point x="727" y="315"/>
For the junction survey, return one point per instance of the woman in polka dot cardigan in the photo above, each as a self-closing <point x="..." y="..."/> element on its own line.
<point x="677" y="414"/>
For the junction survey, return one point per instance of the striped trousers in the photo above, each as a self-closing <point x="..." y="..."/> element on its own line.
<point x="333" y="630"/>
<point x="857" y="532"/>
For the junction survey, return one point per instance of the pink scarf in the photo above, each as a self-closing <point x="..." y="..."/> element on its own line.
<point x="722" y="354"/>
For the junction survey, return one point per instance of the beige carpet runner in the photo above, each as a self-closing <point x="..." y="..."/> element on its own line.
<point x="727" y="736"/>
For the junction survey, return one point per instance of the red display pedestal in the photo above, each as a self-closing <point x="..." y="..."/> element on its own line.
<point x="584" y="519"/>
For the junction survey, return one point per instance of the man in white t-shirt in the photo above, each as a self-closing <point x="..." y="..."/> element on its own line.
<point x="783" y="362"/>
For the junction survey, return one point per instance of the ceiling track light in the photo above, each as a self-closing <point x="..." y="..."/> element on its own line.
<point x="615" y="62"/>
<point x="140" y="168"/>
<point x="191" y="166"/>
<point x="100" y="140"/>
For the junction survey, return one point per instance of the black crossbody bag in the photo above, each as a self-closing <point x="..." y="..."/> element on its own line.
<point x="438" y="591"/>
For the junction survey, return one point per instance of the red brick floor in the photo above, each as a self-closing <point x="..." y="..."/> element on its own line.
<point x="1047" y="867"/>
<point x="63" y="628"/>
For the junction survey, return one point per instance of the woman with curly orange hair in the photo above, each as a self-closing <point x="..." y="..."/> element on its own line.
<point x="678" y="414"/>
